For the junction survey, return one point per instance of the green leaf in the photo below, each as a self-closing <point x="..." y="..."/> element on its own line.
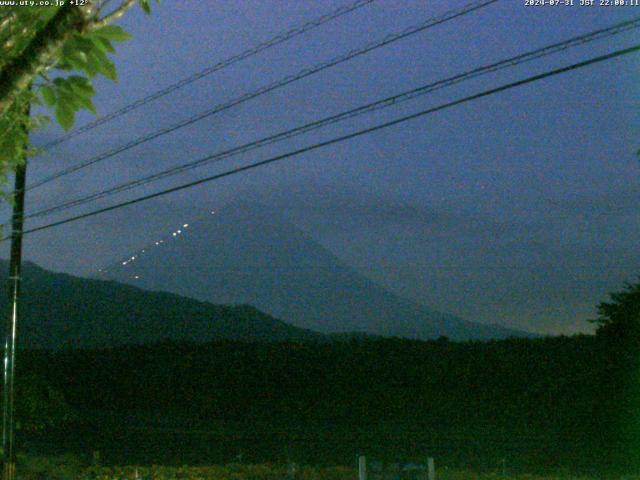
<point x="49" y="95"/>
<point x="72" y="54"/>
<point x="62" y="84"/>
<point x="68" y="99"/>
<point x="145" y="6"/>
<point x="113" y="33"/>
<point x="87" y="103"/>
<point x="103" y="44"/>
<point x="98" y="60"/>
<point x="65" y="115"/>
<point x="78" y="60"/>
<point x="81" y="86"/>
<point x="93" y="65"/>
<point x="83" y="44"/>
<point x="108" y="69"/>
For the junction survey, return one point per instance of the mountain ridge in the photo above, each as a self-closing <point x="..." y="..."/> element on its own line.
<point x="59" y="310"/>
<point x="245" y="253"/>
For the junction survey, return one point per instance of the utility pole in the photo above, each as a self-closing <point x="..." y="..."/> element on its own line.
<point x="15" y="264"/>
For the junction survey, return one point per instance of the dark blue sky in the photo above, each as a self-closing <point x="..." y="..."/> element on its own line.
<point x="520" y="208"/>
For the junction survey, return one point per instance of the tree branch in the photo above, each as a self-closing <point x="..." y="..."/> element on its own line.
<point x="41" y="51"/>
<point x="10" y="17"/>
<point x="20" y="71"/>
<point x="113" y="16"/>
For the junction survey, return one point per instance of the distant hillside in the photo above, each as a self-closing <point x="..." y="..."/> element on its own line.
<point x="245" y="254"/>
<point x="61" y="310"/>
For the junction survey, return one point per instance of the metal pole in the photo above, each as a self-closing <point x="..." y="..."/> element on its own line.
<point x="15" y="263"/>
<point x="362" y="467"/>
<point x="431" y="469"/>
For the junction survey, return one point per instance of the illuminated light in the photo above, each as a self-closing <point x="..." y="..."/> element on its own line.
<point x="133" y="258"/>
<point x="157" y="243"/>
<point x="136" y="277"/>
<point x="142" y="251"/>
<point x="179" y="231"/>
<point x="174" y="234"/>
<point x="124" y="263"/>
<point x="185" y="225"/>
<point x="212" y="212"/>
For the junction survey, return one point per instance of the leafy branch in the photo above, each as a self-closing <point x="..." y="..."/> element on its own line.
<point x="74" y="41"/>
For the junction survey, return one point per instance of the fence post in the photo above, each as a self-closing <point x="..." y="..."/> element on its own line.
<point x="362" y="467"/>
<point x="292" y="471"/>
<point x="431" y="469"/>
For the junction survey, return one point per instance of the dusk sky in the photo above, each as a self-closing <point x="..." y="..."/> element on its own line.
<point x="519" y="208"/>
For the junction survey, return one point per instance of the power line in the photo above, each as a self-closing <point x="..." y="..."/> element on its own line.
<point x="342" y="138"/>
<point x="377" y="105"/>
<point x="272" y="42"/>
<point x="450" y="15"/>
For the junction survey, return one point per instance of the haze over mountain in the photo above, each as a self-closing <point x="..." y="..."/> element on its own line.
<point x="246" y="254"/>
<point x="60" y="310"/>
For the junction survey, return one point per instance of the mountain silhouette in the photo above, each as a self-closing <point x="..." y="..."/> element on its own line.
<point x="246" y="254"/>
<point x="59" y="310"/>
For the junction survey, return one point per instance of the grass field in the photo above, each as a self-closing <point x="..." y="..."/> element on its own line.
<point x="262" y="472"/>
<point x="72" y="467"/>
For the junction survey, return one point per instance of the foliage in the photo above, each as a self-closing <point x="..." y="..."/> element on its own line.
<point x="61" y="467"/>
<point x="86" y="53"/>
<point x="56" y="68"/>
<point x="619" y="319"/>
<point x="542" y="403"/>
<point x="40" y="405"/>
<point x="72" y="467"/>
<point x="67" y="468"/>
<point x="217" y="472"/>
<point x="467" y="475"/>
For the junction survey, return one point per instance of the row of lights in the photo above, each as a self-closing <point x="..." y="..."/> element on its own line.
<point x="157" y="243"/>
